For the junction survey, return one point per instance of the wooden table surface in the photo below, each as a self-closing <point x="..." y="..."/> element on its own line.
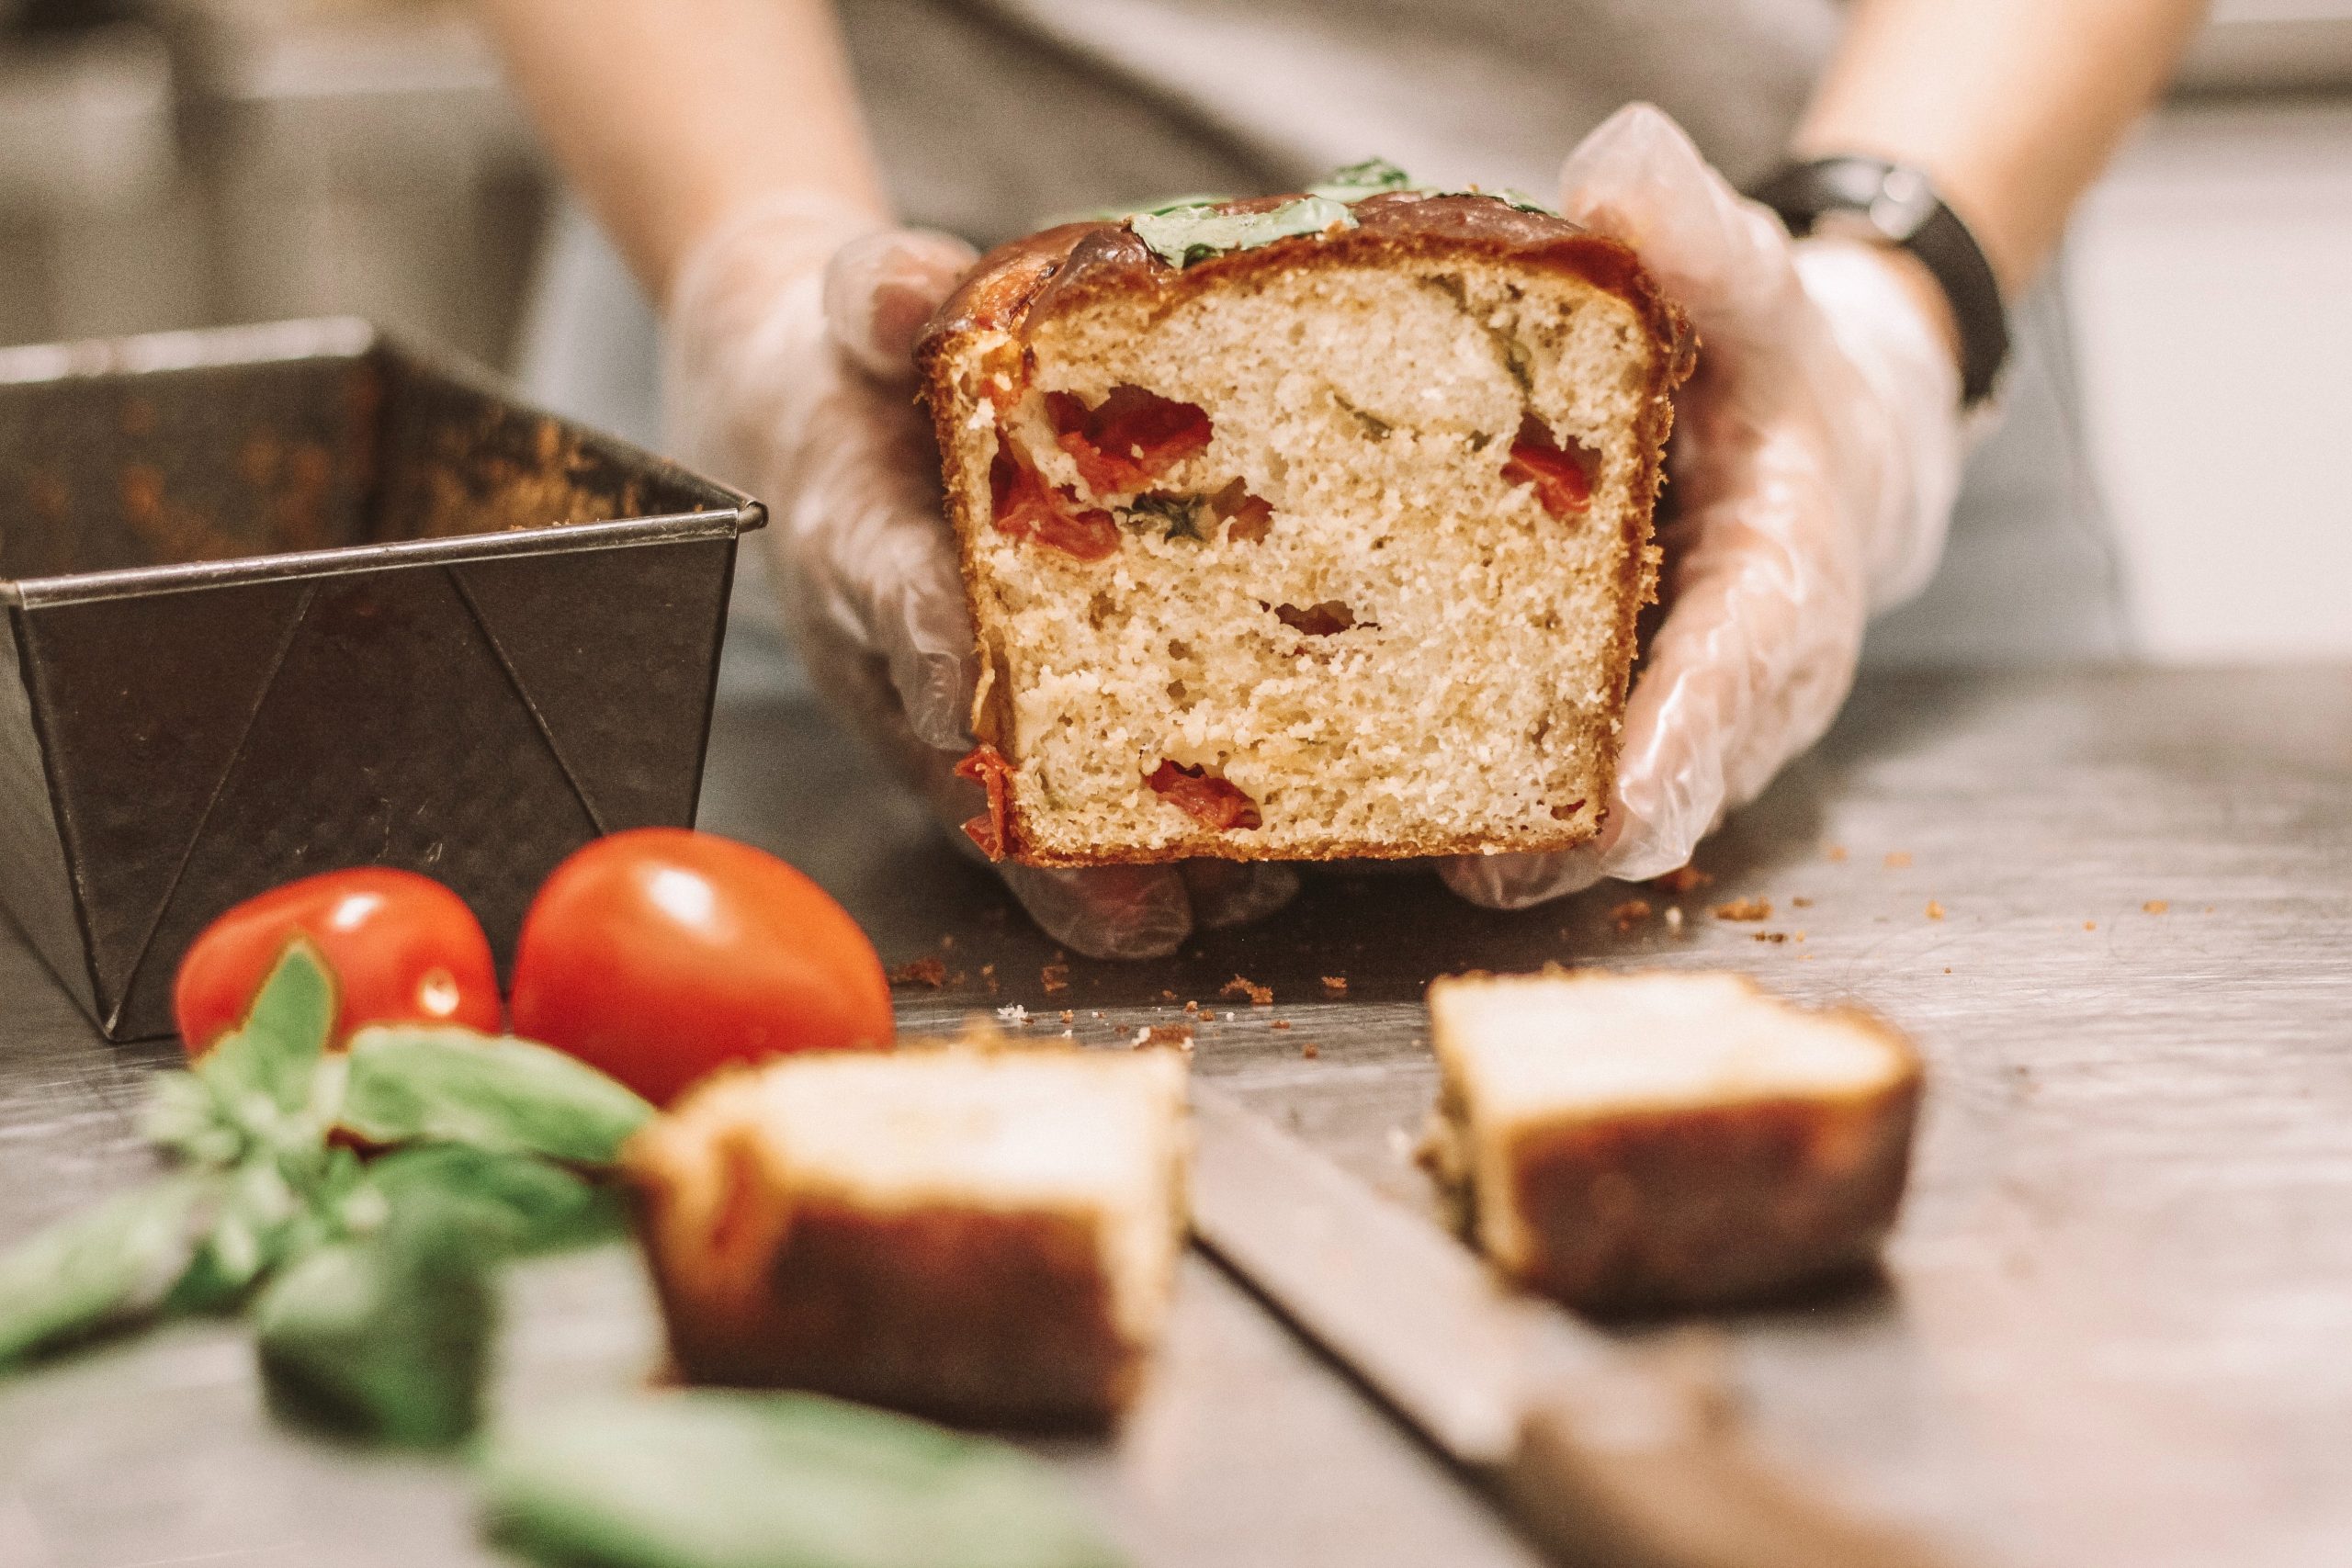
<point x="2115" y="1326"/>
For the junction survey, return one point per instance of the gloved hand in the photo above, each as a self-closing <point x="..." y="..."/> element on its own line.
<point x="1815" y="456"/>
<point x="787" y="371"/>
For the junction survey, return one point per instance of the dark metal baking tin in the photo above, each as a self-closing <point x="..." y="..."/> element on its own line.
<point x="290" y="598"/>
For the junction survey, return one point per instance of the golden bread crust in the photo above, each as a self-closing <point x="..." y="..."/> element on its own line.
<point x="1695" y="1208"/>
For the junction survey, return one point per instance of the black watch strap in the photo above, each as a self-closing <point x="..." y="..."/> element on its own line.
<point x="1898" y="206"/>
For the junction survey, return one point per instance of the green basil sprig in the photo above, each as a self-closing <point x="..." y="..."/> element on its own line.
<point x="111" y="1266"/>
<point x="727" y="1479"/>
<point x="508" y="1096"/>
<point x="387" y="1335"/>
<point x="1356" y="181"/>
<point x="1182" y="236"/>
<point x="1191" y="228"/>
<point x="260" y="1088"/>
<point x="1377" y="176"/>
<point x="370" y="1280"/>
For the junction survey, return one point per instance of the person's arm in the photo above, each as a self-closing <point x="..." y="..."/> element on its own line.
<point x="669" y="115"/>
<point x="2011" y="106"/>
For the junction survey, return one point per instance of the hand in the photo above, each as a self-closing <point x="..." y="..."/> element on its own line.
<point x="1815" y="455"/>
<point x="788" y="369"/>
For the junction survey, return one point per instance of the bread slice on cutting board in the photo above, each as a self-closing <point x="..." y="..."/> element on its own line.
<point x="981" y="1232"/>
<point x="1330" y="546"/>
<point x="1650" y="1140"/>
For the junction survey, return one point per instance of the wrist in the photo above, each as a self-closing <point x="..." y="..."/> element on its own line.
<point x="1904" y="439"/>
<point x="1916" y="283"/>
<point x="1897" y="206"/>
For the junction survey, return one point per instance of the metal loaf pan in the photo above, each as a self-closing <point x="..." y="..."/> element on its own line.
<point x="287" y="598"/>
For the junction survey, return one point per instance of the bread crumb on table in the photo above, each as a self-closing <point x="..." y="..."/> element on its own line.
<point x="1834" y="852"/>
<point x="2157" y="906"/>
<point x="1745" y="909"/>
<point x="1897" y="859"/>
<point x="1280" y="1023"/>
<point x="1674" y="921"/>
<point x="1310" y="1050"/>
<point x="1069" y="1017"/>
<point x="987" y="978"/>
<point x="1935" y="911"/>
<point x="1054" y="977"/>
<point x="1174" y="1036"/>
<point x="1771" y="936"/>
<point x="1801" y="902"/>
<point x="1238" y="987"/>
<point x="1682" y="879"/>
<point x="1016" y="1014"/>
<point x="929" y="973"/>
<point x="2090" y="925"/>
<point x="1335" y="985"/>
<point x="1630" y="913"/>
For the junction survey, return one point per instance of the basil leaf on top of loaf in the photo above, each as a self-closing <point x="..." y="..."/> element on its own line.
<point x="1378" y="177"/>
<point x="1191" y="228"/>
<point x="1186" y="235"/>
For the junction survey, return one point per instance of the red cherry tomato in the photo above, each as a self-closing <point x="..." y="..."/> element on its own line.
<point x="658" y="954"/>
<point x="403" y="948"/>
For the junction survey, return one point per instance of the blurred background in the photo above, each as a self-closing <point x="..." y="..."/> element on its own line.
<point x="183" y="162"/>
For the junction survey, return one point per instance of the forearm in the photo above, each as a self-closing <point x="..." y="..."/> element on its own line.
<point x="2012" y="106"/>
<point x="670" y="114"/>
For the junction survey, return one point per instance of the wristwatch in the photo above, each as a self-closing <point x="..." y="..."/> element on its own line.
<point x="1889" y="204"/>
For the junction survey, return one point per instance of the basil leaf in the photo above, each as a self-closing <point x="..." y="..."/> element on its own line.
<point x="507" y="1096"/>
<point x="527" y="1204"/>
<point x="389" y="1336"/>
<point x="725" y="1479"/>
<point x="101" y="1269"/>
<point x="1375" y="176"/>
<point x="1357" y="181"/>
<point x="1182" y="236"/>
<point x="185" y="1116"/>
<point x="263" y="1074"/>
<point x="254" y="1226"/>
<point x="1178" y="516"/>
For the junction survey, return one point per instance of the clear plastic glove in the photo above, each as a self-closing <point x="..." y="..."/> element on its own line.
<point x="787" y="371"/>
<point x="1815" y="456"/>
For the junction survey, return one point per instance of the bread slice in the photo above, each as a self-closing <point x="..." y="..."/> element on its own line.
<point x="981" y="1234"/>
<point x="1330" y="546"/>
<point x="1639" y="1142"/>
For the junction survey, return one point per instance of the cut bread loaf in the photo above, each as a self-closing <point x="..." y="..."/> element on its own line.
<point x="1328" y="546"/>
<point x="983" y="1233"/>
<point x="1642" y="1141"/>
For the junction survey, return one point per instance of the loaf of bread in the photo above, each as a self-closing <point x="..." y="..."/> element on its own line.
<point x="1644" y="1141"/>
<point x="985" y="1235"/>
<point x="1303" y="528"/>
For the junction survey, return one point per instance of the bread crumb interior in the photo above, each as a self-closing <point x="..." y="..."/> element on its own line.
<point x="1412" y="652"/>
